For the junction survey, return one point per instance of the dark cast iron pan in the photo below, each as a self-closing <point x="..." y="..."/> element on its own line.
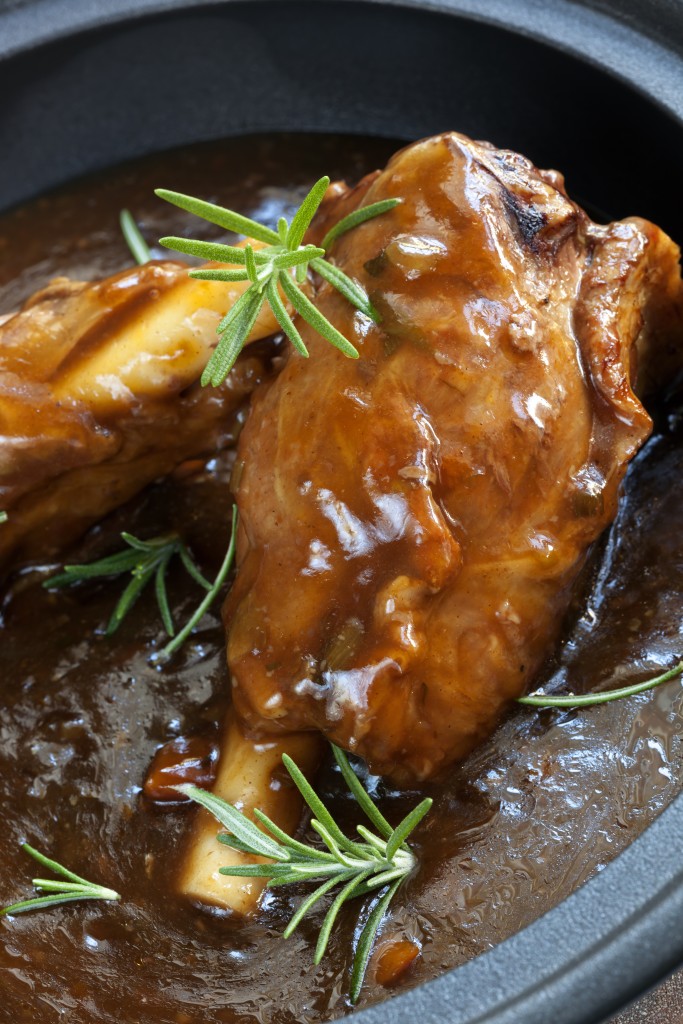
<point x="595" y="89"/>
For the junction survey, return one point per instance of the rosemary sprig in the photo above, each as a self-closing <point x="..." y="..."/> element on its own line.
<point x="133" y="236"/>
<point x="55" y="891"/>
<point x="212" y="592"/>
<point x="570" y="700"/>
<point x="144" y="560"/>
<point x="379" y="862"/>
<point x="281" y="265"/>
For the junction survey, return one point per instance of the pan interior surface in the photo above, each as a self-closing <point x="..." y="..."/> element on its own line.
<point x="94" y="99"/>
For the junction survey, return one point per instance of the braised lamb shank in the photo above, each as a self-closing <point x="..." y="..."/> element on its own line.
<point x="412" y="522"/>
<point x="99" y="397"/>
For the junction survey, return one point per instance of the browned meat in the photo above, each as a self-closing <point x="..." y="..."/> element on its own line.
<point x="98" y="398"/>
<point x="412" y="523"/>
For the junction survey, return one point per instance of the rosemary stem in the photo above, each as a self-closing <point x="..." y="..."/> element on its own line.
<point x="169" y="650"/>
<point x="541" y="700"/>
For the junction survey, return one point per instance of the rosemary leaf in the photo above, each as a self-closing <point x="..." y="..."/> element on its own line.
<point x="133" y="237"/>
<point x="55" y="885"/>
<point x="318" y="807"/>
<point x="219" y="215"/>
<point x="191" y="568"/>
<point x="308" y="852"/>
<point x="219" y="275"/>
<point x="162" y="599"/>
<point x="405" y="827"/>
<point x="307" y="871"/>
<point x="143" y="545"/>
<point x="292" y="259"/>
<point x="250" y="264"/>
<point x="309" y="903"/>
<point x="352" y="220"/>
<point x="335" y="849"/>
<point x="113" y="565"/>
<point x="236" y="312"/>
<point x="237" y="824"/>
<point x="53" y="865"/>
<point x="346" y="893"/>
<point x="256" y="870"/>
<point x="283" y="318"/>
<point x="232" y="340"/>
<point x="378" y="844"/>
<point x="363" y="798"/>
<point x="305" y="214"/>
<point x="234" y="843"/>
<point x="41" y="902"/>
<point x="367" y="941"/>
<point x="378" y="881"/>
<point x="128" y="598"/>
<point x="350" y="289"/>
<point x="306" y="309"/>
<point x="206" y="250"/>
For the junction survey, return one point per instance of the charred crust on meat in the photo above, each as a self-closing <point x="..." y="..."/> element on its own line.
<point x="530" y="219"/>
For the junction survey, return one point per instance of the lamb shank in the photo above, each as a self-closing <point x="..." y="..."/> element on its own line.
<point x="412" y="523"/>
<point x="99" y="396"/>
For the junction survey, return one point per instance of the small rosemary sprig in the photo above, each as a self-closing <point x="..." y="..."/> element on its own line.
<point x="54" y="891"/>
<point x="212" y="592"/>
<point x="570" y="700"/>
<point x="133" y="236"/>
<point x="145" y="560"/>
<point x="379" y="862"/>
<point x="280" y="265"/>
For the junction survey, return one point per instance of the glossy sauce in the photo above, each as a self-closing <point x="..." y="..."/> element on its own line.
<point x="531" y="815"/>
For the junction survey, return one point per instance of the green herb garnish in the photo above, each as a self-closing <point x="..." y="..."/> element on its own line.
<point x="352" y="220"/>
<point x="56" y="892"/>
<point x="570" y="700"/>
<point x="381" y="862"/>
<point x="211" y="594"/>
<point x="133" y="236"/>
<point x="283" y="264"/>
<point x="3" y="517"/>
<point x="145" y="560"/>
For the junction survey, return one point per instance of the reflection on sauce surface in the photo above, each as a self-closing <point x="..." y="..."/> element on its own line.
<point x="545" y="804"/>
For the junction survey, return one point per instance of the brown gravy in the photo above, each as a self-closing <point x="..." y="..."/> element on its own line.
<point x="546" y="804"/>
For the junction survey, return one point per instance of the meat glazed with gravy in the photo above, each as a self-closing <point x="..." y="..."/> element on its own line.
<point x="99" y="397"/>
<point x="412" y="523"/>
